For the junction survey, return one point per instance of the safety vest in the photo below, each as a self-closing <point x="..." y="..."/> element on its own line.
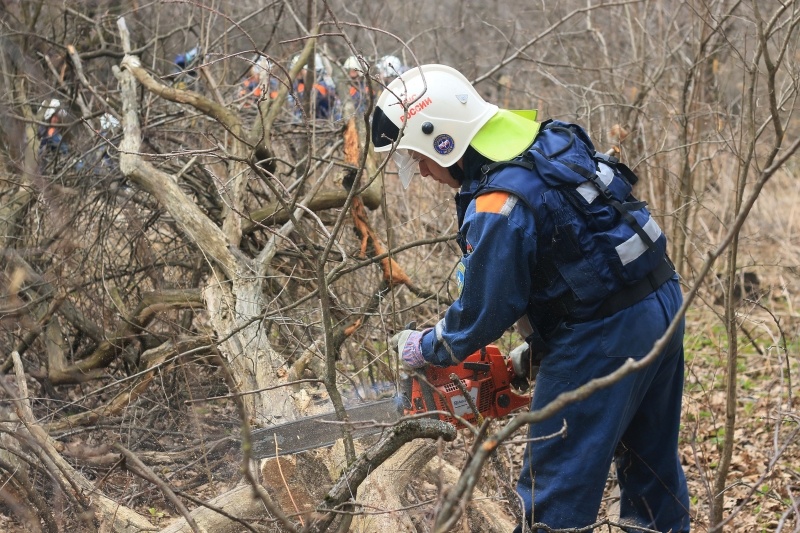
<point x="598" y="250"/>
<point x="324" y="98"/>
<point x="321" y="89"/>
<point x="359" y="91"/>
<point x="251" y="86"/>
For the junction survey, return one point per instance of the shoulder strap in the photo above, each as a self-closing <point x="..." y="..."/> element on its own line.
<point x="491" y="167"/>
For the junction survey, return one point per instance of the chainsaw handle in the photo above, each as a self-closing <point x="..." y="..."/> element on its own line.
<point x="427" y="393"/>
<point x="477" y="367"/>
<point x="407" y="389"/>
<point x="406" y="386"/>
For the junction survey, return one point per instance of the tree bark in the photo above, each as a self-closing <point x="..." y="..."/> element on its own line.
<point x="236" y="307"/>
<point x="384" y="488"/>
<point x="234" y="297"/>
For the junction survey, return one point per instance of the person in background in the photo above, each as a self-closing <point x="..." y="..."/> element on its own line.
<point x="358" y="86"/>
<point x="259" y="79"/>
<point x="184" y="61"/>
<point x="323" y="98"/>
<point x="552" y="240"/>
<point x="108" y="130"/>
<point x="389" y="67"/>
<point x="50" y="138"/>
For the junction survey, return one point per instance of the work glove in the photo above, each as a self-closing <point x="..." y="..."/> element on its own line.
<point x="524" y="371"/>
<point x="407" y="344"/>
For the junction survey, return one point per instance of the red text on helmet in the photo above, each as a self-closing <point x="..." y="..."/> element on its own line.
<point x="416" y="108"/>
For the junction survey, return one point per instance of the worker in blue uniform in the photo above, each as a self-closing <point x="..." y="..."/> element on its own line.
<point x="50" y="138"/>
<point x="552" y="240"/>
<point x="359" y="88"/>
<point x="323" y="89"/>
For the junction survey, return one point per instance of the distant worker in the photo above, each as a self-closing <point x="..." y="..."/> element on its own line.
<point x="259" y="79"/>
<point x="50" y="137"/>
<point x="184" y="61"/>
<point x="108" y="123"/>
<point x="324" y="95"/>
<point x="108" y="129"/>
<point x="359" y="88"/>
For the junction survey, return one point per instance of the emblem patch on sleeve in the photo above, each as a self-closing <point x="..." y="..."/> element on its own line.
<point x="460" y="271"/>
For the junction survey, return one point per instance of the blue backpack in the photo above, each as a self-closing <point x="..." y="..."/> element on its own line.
<point x="600" y="250"/>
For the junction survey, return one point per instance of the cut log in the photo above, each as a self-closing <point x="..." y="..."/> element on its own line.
<point x="484" y="514"/>
<point x="384" y="488"/>
<point x="239" y="502"/>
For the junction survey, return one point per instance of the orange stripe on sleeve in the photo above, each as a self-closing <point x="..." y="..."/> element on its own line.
<point x="492" y="202"/>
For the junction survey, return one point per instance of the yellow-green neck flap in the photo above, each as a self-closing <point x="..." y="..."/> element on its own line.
<point x="507" y="134"/>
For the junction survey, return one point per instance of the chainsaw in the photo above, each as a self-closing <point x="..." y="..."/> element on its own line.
<point x="477" y="388"/>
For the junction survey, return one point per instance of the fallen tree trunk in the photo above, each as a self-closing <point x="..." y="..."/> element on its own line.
<point x="381" y="496"/>
<point x="239" y="506"/>
<point x="383" y="490"/>
<point x="482" y="512"/>
<point x="341" y="495"/>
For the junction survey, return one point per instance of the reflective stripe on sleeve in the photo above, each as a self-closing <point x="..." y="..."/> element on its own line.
<point x="498" y="202"/>
<point x="439" y="331"/>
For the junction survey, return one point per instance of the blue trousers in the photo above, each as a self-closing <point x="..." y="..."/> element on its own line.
<point x="634" y="422"/>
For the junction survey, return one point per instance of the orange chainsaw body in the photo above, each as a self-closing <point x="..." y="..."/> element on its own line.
<point x="485" y="375"/>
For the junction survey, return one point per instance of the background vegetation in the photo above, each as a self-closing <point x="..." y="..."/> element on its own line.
<point x="217" y="244"/>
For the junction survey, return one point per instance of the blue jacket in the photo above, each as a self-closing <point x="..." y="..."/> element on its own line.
<point x="539" y="239"/>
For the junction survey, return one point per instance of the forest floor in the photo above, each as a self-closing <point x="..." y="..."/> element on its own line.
<point x="761" y="489"/>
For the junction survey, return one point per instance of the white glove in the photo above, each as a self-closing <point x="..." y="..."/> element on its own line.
<point x="407" y="344"/>
<point x="521" y="363"/>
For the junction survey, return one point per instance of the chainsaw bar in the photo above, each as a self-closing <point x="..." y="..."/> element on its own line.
<point x="323" y="430"/>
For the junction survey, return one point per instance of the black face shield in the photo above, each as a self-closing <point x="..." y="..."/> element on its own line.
<point x="384" y="131"/>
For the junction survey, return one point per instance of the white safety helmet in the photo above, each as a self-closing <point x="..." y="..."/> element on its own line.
<point x="438" y="112"/>
<point x="260" y="64"/>
<point x="352" y="63"/>
<point x="321" y="65"/>
<point x="389" y="67"/>
<point x="108" y="121"/>
<point x="51" y="108"/>
<point x="191" y="55"/>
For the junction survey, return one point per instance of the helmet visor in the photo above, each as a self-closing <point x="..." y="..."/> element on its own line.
<point x="406" y="166"/>
<point x="384" y="131"/>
